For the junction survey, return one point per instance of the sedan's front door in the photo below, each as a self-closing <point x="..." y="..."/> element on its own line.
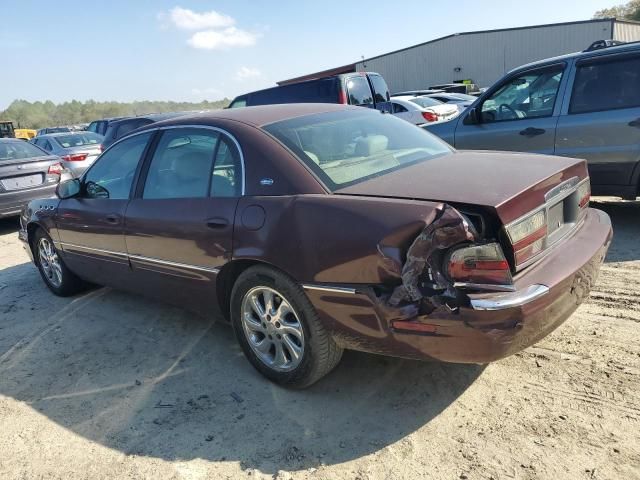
<point x="179" y="226"/>
<point x="91" y="225"/>
<point x="520" y="115"/>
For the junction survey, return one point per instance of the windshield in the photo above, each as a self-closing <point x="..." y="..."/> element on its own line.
<point x="18" y="150"/>
<point x="426" y="102"/>
<point x="347" y="147"/>
<point x="78" y="139"/>
<point x="57" y="130"/>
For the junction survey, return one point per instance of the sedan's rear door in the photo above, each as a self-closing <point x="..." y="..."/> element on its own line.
<point x="179" y="226"/>
<point x="600" y="121"/>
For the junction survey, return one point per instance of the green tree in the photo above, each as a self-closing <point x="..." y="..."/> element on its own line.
<point x="628" y="11"/>
<point x="26" y="114"/>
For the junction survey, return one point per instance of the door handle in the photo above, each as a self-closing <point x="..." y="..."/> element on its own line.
<point x="634" y="123"/>
<point x="217" y="223"/>
<point x="113" y="219"/>
<point x="532" y="132"/>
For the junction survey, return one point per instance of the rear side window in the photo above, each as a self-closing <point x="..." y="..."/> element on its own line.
<point x="380" y="89"/>
<point x="397" y="108"/>
<point x="93" y="127"/>
<point x="606" y="85"/>
<point x="358" y="91"/>
<point x="239" y="102"/>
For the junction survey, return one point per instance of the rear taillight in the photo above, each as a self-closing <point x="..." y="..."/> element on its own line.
<point x="430" y="116"/>
<point x="55" y="169"/>
<point x="342" y="97"/>
<point x="75" y="157"/>
<point x="528" y="236"/>
<point x="584" y="194"/>
<point x="480" y="265"/>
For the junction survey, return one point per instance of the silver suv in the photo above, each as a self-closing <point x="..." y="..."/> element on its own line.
<point x="584" y="105"/>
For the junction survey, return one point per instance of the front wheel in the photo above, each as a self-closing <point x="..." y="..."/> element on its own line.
<point x="54" y="272"/>
<point x="279" y="330"/>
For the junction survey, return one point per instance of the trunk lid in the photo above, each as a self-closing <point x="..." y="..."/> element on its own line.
<point x="25" y="173"/>
<point x="513" y="184"/>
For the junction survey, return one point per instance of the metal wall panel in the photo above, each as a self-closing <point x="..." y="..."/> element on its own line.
<point x="482" y="57"/>
<point x="626" y="32"/>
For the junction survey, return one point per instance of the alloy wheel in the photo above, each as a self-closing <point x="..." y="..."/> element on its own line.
<point x="50" y="262"/>
<point x="272" y="328"/>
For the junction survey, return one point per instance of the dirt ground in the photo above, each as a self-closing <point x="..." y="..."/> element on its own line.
<point x="108" y="385"/>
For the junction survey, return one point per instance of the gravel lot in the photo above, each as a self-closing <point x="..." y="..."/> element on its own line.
<point x="108" y="385"/>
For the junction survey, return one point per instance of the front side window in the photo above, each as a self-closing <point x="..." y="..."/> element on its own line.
<point x="606" y="85"/>
<point x="127" y="127"/>
<point x="530" y="95"/>
<point x="112" y="174"/>
<point x="359" y="91"/>
<point x="347" y="147"/>
<point x="93" y="127"/>
<point x="183" y="166"/>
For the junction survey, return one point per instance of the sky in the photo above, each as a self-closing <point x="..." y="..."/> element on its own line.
<point x="192" y="50"/>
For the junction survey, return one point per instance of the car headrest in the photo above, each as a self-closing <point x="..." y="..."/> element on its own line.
<point x="370" y="145"/>
<point x="222" y="187"/>
<point x="192" y="166"/>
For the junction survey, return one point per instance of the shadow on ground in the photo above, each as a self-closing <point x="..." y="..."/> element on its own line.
<point x="152" y="380"/>
<point x="9" y="225"/>
<point x="625" y="217"/>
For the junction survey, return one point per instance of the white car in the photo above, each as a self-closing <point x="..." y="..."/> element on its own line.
<point x="422" y="110"/>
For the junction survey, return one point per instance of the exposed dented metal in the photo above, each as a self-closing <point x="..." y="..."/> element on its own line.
<point x="422" y="278"/>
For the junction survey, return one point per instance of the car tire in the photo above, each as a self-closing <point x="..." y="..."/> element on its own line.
<point x="60" y="280"/>
<point x="279" y="330"/>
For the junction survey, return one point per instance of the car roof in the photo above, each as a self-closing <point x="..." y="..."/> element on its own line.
<point x="262" y="115"/>
<point x="625" y="47"/>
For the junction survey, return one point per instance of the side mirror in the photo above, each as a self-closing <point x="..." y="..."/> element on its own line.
<point x="472" y="118"/>
<point x="68" y="188"/>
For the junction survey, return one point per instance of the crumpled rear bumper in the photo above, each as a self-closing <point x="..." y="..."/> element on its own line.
<point x="494" y="326"/>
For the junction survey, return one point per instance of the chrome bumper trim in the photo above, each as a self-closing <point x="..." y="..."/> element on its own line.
<point x="510" y="300"/>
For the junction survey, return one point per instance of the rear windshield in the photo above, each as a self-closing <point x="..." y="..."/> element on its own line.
<point x="19" y="149"/>
<point x="78" y="139"/>
<point x="347" y="147"/>
<point x="426" y="102"/>
<point x="316" y="91"/>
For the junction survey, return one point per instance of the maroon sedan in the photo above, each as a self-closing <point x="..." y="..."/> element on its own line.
<point x="315" y="228"/>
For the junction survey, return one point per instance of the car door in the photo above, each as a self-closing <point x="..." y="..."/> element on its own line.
<point x="380" y="90"/>
<point x="179" y="226"/>
<point x="520" y="114"/>
<point x="600" y="121"/>
<point x="91" y="225"/>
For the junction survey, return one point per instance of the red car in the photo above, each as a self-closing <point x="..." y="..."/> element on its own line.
<point x="313" y="228"/>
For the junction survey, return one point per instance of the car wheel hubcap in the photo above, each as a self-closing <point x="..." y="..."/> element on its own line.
<point x="50" y="262"/>
<point x="272" y="328"/>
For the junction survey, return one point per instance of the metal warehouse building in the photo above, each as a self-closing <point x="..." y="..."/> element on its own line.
<point x="483" y="57"/>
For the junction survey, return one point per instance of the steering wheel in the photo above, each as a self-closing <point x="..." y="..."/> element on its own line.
<point x="504" y="106"/>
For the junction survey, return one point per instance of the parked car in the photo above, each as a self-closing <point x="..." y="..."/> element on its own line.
<point x="362" y="89"/>
<point x="47" y="131"/>
<point x="465" y="88"/>
<point x="416" y="93"/>
<point x="7" y="130"/>
<point x="77" y="150"/>
<point x="119" y="128"/>
<point x="460" y="100"/>
<point x="26" y="173"/>
<point x="584" y="105"/>
<point x="25" y="133"/>
<point x="100" y="126"/>
<point x="314" y="228"/>
<point x="422" y="110"/>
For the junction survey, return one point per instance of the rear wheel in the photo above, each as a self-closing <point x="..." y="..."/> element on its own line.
<point x="54" y="272"/>
<point x="279" y="330"/>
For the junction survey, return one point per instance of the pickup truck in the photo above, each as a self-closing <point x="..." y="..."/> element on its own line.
<point x="584" y="105"/>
